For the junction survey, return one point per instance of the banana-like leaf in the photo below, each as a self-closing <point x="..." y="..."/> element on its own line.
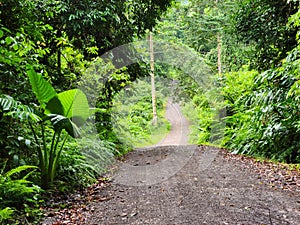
<point x="42" y="89"/>
<point x="61" y="122"/>
<point x="71" y="104"/>
<point x="54" y="106"/>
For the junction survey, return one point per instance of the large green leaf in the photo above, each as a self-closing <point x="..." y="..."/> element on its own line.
<point x="63" y="123"/>
<point x="42" y="89"/>
<point x="71" y="104"/>
<point x="54" y="106"/>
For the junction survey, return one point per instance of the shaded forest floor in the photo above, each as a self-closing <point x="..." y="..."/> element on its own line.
<point x="184" y="184"/>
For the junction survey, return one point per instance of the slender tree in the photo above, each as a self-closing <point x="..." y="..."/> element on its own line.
<point x="152" y="79"/>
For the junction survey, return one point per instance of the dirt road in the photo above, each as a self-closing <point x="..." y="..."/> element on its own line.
<point x="173" y="183"/>
<point x="179" y="133"/>
<point x="178" y="184"/>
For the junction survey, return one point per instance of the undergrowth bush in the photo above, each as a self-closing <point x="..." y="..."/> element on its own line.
<point x="262" y="112"/>
<point x="83" y="162"/>
<point x="204" y="112"/>
<point x="18" y="194"/>
<point x="201" y="116"/>
<point x="265" y="115"/>
<point x="237" y="87"/>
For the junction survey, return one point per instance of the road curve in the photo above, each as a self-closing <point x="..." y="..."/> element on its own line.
<point x="179" y="133"/>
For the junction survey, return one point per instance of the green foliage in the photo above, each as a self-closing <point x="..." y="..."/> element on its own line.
<point x="83" y="162"/>
<point x="199" y="24"/>
<point x="133" y="115"/>
<point x="265" y="119"/>
<point x="17" y="50"/>
<point x="15" y="109"/>
<point x="203" y="113"/>
<point x="42" y="89"/>
<point x="198" y="133"/>
<point x="71" y="104"/>
<point x="262" y="24"/>
<point x="236" y="90"/>
<point x="294" y="22"/>
<point x="16" y="192"/>
<point x="70" y="32"/>
<point x="206" y="20"/>
<point x="16" y="146"/>
<point x="236" y="86"/>
<point x="59" y="38"/>
<point x="65" y="111"/>
<point x="6" y="214"/>
<point x="60" y="109"/>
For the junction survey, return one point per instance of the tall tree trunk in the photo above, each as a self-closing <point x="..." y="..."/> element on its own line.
<point x="219" y="55"/>
<point x="219" y="51"/>
<point x="152" y="80"/>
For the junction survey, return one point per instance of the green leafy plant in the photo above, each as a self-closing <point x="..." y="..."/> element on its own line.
<point x="83" y="161"/>
<point x="16" y="191"/>
<point x="65" y="111"/>
<point x="264" y="118"/>
<point x="6" y="214"/>
<point x="132" y="114"/>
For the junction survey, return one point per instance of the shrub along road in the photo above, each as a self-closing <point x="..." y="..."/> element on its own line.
<point x="182" y="184"/>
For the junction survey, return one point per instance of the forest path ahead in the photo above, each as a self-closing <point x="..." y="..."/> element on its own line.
<point x="186" y="184"/>
<point x="179" y="133"/>
<point x="225" y="192"/>
<point x="173" y="183"/>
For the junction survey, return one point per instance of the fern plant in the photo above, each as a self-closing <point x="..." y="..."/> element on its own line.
<point x="16" y="191"/>
<point x="16" y="109"/>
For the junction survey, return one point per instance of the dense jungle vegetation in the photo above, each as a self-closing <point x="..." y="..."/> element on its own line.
<point x="56" y="82"/>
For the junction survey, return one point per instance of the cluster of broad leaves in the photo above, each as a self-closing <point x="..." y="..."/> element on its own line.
<point x="66" y="111"/>
<point x="264" y="119"/>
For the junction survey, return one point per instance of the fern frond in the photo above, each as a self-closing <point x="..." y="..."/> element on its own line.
<point x="18" y="170"/>
<point x="16" y="109"/>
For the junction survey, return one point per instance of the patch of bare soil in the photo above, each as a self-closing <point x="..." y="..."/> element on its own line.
<point x="174" y="185"/>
